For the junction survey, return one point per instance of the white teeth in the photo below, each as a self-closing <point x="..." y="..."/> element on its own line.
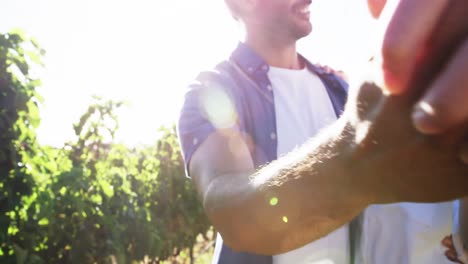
<point x="303" y="10"/>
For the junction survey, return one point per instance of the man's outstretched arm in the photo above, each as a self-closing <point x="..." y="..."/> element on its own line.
<point x="287" y="204"/>
<point x="371" y="155"/>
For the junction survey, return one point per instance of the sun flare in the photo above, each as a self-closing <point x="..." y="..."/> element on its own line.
<point x="146" y="52"/>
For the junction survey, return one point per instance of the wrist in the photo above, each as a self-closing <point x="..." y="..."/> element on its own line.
<point x="363" y="162"/>
<point x="350" y="165"/>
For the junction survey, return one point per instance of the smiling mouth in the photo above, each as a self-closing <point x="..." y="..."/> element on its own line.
<point x="302" y="9"/>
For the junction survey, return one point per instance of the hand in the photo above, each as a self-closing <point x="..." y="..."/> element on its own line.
<point x="376" y="6"/>
<point x="450" y="253"/>
<point x="330" y="70"/>
<point x="403" y="164"/>
<point x="423" y="32"/>
<point x="383" y="124"/>
<point x="442" y="27"/>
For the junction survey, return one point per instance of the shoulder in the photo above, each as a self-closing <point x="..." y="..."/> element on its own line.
<point x="222" y="74"/>
<point x="342" y="78"/>
<point x="210" y="90"/>
<point x="328" y="73"/>
<point x="218" y="84"/>
<point x="332" y="74"/>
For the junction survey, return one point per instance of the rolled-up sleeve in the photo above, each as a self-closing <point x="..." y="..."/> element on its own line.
<point x="206" y="108"/>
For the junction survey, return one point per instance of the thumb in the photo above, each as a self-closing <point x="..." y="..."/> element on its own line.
<point x="376" y="7"/>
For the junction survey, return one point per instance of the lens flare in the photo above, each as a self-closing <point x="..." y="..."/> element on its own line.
<point x="274" y="201"/>
<point x="218" y="107"/>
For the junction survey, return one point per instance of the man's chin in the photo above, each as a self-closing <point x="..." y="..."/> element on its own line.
<point x="303" y="32"/>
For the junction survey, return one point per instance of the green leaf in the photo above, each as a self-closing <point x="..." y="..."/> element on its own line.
<point x="107" y="188"/>
<point x="96" y="198"/>
<point x="12" y="230"/>
<point x="63" y="191"/>
<point x="34" y="57"/>
<point x="18" y="32"/>
<point x="43" y="222"/>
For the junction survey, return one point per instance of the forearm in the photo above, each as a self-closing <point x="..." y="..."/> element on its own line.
<point x="289" y="203"/>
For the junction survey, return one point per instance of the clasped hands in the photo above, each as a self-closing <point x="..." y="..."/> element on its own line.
<point x="420" y="125"/>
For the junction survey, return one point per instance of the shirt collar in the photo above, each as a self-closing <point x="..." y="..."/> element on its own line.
<point x="251" y="63"/>
<point x="312" y="67"/>
<point x="248" y="60"/>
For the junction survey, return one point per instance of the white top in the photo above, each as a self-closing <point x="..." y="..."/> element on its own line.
<point x="302" y="108"/>
<point x="406" y="233"/>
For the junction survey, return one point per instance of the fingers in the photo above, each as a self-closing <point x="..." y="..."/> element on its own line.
<point x="450" y="253"/>
<point x="448" y="242"/>
<point x="376" y="7"/>
<point x="442" y="108"/>
<point x="452" y="256"/>
<point x="445" y="104"/>
<point x="405" y="39"/>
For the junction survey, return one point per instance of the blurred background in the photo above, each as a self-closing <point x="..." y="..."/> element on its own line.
<point x="90" y="168"/>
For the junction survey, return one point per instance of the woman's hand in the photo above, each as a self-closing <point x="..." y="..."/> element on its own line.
<point x="429" y="32"/>
<point x="450" y="253"/>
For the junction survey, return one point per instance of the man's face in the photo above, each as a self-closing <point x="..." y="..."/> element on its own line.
<point x="289" y="17"/>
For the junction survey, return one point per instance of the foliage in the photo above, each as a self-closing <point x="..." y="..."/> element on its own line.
<point x="92" y="201"/>
<point x="19" y="117"/>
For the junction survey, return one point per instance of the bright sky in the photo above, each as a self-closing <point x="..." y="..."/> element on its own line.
<point x="147" y="51"/>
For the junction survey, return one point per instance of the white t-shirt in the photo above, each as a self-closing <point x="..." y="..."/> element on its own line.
<point x="303" y="108"/>
<point x="406" y="233"/>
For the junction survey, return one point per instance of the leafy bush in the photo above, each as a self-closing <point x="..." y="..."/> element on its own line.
<point x="91" y="201"/>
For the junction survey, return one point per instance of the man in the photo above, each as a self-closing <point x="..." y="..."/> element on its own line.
<point x="266" y="101"/>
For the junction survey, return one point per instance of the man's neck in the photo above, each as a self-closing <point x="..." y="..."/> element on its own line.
<point x="275" y="51"/>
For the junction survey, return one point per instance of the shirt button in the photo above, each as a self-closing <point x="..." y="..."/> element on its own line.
<point x="273" y="136"/>
<point x="195" y="141"/>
